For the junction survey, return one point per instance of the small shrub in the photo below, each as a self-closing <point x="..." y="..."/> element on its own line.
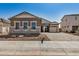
<point x="67" y="31"/>
<point x="72" y="31"/>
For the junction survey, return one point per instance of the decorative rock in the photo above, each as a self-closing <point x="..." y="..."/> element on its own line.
<point x="13" y="35"/>
<point x="21" y="36"/>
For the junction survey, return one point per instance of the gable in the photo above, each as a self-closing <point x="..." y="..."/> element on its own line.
<point x="24" y="15"/>
<point x="45" y="21"/>
<point x="54" y="23"/>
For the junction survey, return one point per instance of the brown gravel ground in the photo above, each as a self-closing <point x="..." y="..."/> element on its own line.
<point x="24" y="38"/>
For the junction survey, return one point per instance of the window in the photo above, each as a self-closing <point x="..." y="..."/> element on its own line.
<point x="33" y="25"/>
<point x="25" y="25"/>
<point x="67" y="26"/>
<point x="17" y="25"/>
<point x="75" y="17"/>
<point x="66" y="20"/>
<point x="64" y="26"/>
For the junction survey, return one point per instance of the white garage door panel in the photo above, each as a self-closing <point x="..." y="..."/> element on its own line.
<point x="53" y="29"/>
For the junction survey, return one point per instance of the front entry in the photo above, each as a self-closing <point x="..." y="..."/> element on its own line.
<point x="41" y="28"/>
<point x="44" y="28"/>
<point x="47" y="29"/>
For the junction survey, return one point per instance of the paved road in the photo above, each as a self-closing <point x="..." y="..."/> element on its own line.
<point x="62" y="37"/>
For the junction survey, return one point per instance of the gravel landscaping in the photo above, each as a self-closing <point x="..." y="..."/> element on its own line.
<point x="24" y="38"/>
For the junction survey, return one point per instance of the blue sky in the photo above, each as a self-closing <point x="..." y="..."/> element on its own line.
<point x="49" y="11"/>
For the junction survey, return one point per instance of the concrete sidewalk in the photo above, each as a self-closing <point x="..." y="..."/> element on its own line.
<point x="36" y="48"/>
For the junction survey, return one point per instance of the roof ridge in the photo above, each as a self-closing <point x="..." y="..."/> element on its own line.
<point x="72" y="15"/>
<point x="22" y="13"/>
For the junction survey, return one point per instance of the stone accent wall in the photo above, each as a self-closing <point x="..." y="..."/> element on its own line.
<point x="27" y="31"/>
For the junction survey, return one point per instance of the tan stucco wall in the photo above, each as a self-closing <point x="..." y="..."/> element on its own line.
<point x="25" y="19"/>
<point x="4" y="28"/>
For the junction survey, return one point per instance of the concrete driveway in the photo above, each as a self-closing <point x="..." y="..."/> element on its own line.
<point x="61" y="37"/>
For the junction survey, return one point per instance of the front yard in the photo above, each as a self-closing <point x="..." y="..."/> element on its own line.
<point x="42" y="36"/>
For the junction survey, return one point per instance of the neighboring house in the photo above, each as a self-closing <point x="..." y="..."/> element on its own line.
<point x="25" y="23"/>
<point x="70" y="23"/>
<point x="54" y="27"/>
<point x="4" y="26"/>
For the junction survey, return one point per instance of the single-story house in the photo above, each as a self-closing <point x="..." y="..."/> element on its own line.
<point x="4" y="26"/>
<point x="27" y="23"/>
